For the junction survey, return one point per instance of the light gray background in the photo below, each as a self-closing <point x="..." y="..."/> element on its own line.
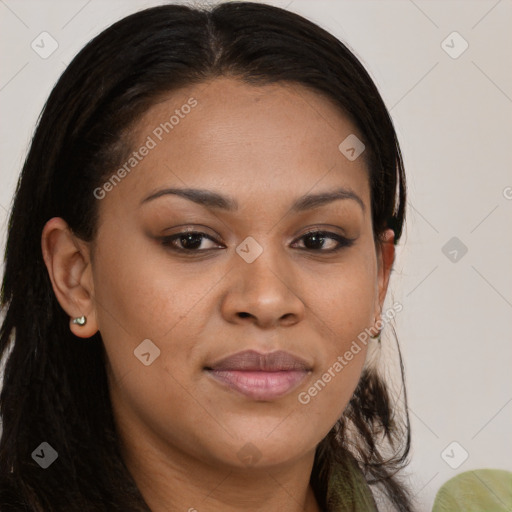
<point x="453" y="118"/>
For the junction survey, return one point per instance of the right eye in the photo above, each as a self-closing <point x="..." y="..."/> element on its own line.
<point x="187" y="241"/>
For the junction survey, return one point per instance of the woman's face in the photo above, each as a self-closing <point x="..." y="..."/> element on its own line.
<point x="253" y="280"/>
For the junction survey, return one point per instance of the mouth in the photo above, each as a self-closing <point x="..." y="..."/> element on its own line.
<point x="262" y="377"/>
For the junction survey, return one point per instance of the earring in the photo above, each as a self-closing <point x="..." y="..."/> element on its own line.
<point x="377" y="336"/>
<point x="81" y="320"/>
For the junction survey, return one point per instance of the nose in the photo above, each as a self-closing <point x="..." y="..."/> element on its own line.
<point x="263" y="292"/>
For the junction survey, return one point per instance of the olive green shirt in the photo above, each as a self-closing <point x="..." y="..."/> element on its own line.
<point x="349" y="491"/>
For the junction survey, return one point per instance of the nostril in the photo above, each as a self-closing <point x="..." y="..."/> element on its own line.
<point x="244" y="315"/>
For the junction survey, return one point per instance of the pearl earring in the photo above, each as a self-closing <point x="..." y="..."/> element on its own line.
<point x="377" y="336"/>
<point x="81" y="320"/>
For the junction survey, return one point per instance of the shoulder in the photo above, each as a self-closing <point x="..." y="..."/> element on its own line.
<point x="475" y="490"/>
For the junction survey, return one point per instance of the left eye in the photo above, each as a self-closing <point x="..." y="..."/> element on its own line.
<point x="316" y="238"/>
<point x="191" y="241"/>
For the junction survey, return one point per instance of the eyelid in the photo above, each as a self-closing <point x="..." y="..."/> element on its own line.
<point x="189" y="228"/>
<point x="318" y="229"/>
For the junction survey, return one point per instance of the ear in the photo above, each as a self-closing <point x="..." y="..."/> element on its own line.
<point x="385" y="259"/>
<point x="68" y="262"/>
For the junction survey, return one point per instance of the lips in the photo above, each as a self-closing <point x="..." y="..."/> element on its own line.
<point x="260" y="376"/>
<point x="250" y="360"/>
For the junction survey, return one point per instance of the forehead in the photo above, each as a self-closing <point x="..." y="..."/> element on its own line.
<point x="256" y="141"/>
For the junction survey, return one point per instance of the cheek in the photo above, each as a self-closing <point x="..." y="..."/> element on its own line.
<point x="140" y="295"/>
<point x="135" y="301"/>
<point x="343" y="305"/>
<point x="139" y="298"/>
<point x="342" y="358"/>
<point x="329" y="392"/>
<point x="343" y="300"/>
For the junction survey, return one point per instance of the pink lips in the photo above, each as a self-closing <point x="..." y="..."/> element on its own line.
<point x="260" y="376"/>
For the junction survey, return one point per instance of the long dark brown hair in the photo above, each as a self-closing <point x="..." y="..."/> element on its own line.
<point x="55" y="386"/>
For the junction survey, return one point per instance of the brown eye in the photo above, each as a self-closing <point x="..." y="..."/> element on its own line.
<point x="189" y="241"/>
<point x="316" y="240"/>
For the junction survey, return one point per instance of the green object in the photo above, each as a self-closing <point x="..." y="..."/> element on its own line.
<point x="348" y="489"/>
<point x="480" y="490"/>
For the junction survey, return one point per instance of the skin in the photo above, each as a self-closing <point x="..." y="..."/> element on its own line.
<point x="182" y="432"/>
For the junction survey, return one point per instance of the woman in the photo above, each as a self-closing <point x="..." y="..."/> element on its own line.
<point x="197" y="260"/>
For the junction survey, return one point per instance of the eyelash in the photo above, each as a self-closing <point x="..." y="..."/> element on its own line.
<point x="343" y="242"/>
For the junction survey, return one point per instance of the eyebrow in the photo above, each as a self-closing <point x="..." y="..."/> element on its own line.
<point x="214" y="200"/>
